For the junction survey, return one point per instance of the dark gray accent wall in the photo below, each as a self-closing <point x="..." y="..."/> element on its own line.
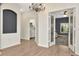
<point x="58" y="22"/>
<point x="9" y="21"/>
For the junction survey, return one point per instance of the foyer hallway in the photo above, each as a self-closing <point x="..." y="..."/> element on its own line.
<point x="29" y="48"/>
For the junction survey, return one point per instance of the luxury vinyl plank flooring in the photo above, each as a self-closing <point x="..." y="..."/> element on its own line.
<point x="29" y="48"/>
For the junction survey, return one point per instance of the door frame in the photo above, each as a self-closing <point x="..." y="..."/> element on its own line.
<point x="29" y="28"/>
<point x="53" y="14"/>
<point x="49" y="30"/>
<point x="68" y="29"/>
<point x="70" y="46"/>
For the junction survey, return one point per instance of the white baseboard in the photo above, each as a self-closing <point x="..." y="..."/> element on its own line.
<point x="77" y="53"/>
<point x="25" y="38"/>
<point x="7" y="46"/>
<point x="43" y="45"/>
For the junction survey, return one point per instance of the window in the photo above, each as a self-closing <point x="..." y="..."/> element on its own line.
<point x="9" y="21"/>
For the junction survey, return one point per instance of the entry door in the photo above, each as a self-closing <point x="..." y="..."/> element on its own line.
<point x="52" y="30"/>
<point x="71" y="32"/>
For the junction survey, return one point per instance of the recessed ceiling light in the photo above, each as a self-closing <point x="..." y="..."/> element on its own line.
<point x="65" y="15"/>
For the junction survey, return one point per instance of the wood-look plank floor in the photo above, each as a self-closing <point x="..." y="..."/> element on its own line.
<point x="29" y="48"/>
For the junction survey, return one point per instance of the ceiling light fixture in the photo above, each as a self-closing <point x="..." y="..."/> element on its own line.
<point x="65" y="13"/>
<point x="37" y="7"/>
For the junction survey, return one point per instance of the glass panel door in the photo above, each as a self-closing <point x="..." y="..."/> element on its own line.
<point x="71" y="29"/>
<point x="52" y="28"/>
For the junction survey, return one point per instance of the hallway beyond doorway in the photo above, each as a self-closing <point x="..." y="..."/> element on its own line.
<point x="62" y="30"/>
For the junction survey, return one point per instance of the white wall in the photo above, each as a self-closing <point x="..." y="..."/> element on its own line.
<point x="0" y="26"/>
<point x="10" y="39"/>
<point x="43" y="23"/>
<point x="42" y="30"/>
<point x="26" y="17"/>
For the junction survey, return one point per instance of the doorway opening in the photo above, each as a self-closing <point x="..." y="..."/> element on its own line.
<point x="32" y="29"/>
<point x="62" y="29"/>
<point x="62" y="25"/>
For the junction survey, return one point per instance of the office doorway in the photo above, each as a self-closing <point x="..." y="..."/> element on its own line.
<point x="62" y="25"/>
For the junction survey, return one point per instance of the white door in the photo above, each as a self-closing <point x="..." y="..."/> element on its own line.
<point x="71" y="30"/>
<point x="52" y="30"/>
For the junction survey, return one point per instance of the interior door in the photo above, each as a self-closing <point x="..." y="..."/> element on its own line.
<point x="71" y="31"/>
<point x="52" y="30"/>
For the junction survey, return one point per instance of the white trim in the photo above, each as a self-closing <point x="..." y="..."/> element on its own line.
<point x="53" y="14"/>
<point x="43" y="45"/>
<point x="10" y="45"/>
<point x="72" y="47"/>
<point x="52" y="43"/>
<point x="54" y="30"/>
<point x="77" y="53"/>
<point x="25" y="38"/>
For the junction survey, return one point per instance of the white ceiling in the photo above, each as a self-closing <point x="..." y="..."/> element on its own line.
<point x="24" y="6"/>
